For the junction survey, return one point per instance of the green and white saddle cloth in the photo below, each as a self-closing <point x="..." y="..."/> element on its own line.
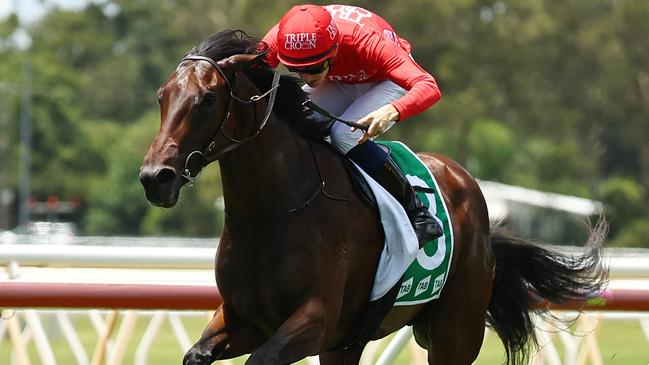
<point x="426" y="274"/>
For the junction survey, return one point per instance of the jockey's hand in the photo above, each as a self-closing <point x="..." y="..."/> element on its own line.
<point x="378" y="121"/>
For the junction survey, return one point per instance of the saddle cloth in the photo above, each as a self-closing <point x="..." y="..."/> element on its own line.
<point x="422" y="272"/>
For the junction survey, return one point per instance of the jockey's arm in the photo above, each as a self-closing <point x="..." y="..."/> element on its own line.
<point x="400" y="68"/>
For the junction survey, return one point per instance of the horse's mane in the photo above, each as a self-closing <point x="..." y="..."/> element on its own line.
<point x="288" y="103"/>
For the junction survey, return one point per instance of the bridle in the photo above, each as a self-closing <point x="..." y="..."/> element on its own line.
<point x="272" y="93"/>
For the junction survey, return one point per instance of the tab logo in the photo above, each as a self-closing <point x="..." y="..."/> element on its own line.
<point x="406" y="287"/>
<point x="438" y="283"/>
<point x="423" y="285"/>
<point x="299" y="41"/>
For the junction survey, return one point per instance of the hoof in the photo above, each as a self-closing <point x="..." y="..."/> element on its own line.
<point x="197" y="357"/>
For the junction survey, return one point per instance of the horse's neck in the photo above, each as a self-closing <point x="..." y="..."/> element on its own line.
<point x="269" y="174"/>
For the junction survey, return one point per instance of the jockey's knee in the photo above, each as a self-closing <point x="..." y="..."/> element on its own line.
<point x="343" y="139"/>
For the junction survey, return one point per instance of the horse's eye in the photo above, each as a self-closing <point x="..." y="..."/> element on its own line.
<point x="209" y="98"/>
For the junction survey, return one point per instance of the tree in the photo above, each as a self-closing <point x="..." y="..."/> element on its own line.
<point x="547" y="94"/>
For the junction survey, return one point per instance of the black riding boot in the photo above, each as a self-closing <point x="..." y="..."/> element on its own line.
<point x="393" y="180"/>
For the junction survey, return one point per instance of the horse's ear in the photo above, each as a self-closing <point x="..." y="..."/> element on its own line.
<point x="240" y="61"/>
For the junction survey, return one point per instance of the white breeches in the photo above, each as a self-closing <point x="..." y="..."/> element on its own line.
<point x="352" y="102"/>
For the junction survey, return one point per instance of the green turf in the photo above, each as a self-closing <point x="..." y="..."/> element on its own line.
<point x="620" y="342"/>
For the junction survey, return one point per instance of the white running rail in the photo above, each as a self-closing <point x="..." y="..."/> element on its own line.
<point x="25" y="329"/>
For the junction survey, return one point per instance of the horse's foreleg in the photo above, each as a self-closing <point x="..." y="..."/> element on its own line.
<point x="300" y="336"/>
<point x="342" y="356"/>
<point x="224" y="337"/>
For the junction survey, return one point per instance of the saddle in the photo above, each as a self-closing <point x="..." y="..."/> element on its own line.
<point x="358" y="181"/>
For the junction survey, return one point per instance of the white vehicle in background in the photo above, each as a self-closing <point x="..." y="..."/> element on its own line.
<point x="58" y="233"/>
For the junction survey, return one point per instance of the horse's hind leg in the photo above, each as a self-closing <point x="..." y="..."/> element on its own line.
<point x="452" y="327"/>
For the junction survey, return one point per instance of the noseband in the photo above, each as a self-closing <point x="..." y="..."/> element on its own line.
<point x="234" y="142"/>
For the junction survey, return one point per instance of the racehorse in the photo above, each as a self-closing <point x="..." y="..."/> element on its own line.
<point x="299" y="249"/>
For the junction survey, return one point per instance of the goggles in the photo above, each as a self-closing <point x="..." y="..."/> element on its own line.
<point x="311" y="70"/>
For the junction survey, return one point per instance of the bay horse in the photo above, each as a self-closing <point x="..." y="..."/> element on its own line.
<point x="299" y="250"/>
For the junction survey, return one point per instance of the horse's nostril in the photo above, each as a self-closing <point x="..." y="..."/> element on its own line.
<point x="164" y="176"/>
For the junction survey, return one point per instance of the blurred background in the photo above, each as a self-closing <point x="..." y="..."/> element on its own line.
<point x="543" y="94"/>
<point x="545" y="101"/>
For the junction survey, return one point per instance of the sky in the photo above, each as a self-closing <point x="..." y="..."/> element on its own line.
<point x="32" y="10"/>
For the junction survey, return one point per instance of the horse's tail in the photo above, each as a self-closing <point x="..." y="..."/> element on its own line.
<point x="526" y="273"/>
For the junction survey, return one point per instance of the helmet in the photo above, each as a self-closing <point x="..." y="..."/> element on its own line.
<point x="307" y="35"/>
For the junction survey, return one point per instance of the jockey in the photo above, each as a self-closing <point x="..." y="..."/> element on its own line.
<point x="355" y="66"/>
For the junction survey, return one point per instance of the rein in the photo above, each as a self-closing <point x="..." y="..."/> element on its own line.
<point x="319" y="189"/>
<point x="272" y="93"/>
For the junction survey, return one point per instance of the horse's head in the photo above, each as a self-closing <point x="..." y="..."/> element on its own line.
<point x="196" y="126"/>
